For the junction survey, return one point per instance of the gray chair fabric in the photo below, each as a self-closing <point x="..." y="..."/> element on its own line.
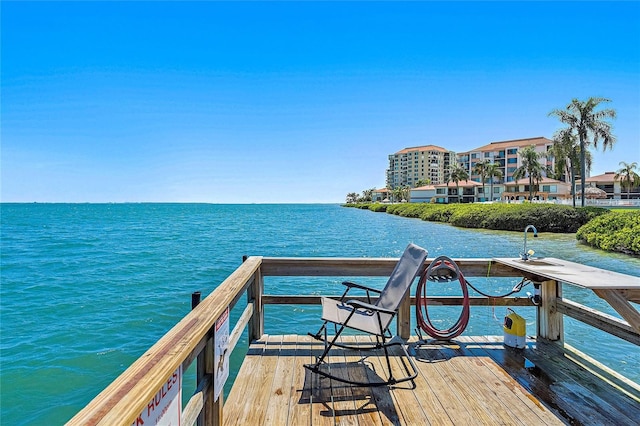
<point x="399" y="282"/>
<point x="371" y="318"/>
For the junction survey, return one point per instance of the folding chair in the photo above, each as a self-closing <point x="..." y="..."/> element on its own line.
<point x="371" y="318"/>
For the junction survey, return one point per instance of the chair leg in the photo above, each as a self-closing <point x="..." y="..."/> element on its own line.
<point x="411" y="369"/>
<point x="386" y="356"/>
<point x="328" y="346"/>
<point x="323" y="328"/>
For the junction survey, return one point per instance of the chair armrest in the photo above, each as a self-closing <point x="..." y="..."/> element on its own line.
<point x="351" y="284"/>
<point x="363" y="305"/>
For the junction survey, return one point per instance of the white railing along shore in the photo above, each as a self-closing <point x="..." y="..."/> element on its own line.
<point x="633" y="203"/>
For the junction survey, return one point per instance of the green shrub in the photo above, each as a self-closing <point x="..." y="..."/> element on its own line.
<point x="363" y="206"/>
<point x="616" y="231"/>
<point x="469" y="215"/>
<point x="437" y="212"/>
<point x="378" y="207"/>
<point x="498" y="216"/>
<point x="406" y="209"/>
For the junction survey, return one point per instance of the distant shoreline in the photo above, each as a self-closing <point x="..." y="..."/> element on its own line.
<point x="615" y="231"/>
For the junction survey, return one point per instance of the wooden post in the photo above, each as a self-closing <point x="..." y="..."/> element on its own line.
<point x="211" y="414"/>
<point x="254" y="295"/>
<point x="195" y="299"/>
<point x="550" y="321"/>
<point x="200" y="360"/>
<point x="217" y="410"/>
<point x="212" y="410"/>
<point x="403" y="321"/>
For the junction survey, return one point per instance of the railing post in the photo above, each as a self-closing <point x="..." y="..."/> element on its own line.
<point x="403" y="321"/>
<point x="200" y="360"/>
<point x="550" y="321"/>
<point x="211" y="414"/>
<point x="212" y="410"/>
<point x="254" y="295"/>
<point x="216" y="413"/>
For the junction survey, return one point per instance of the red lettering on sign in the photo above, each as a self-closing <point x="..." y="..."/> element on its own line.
<point x="222" y="319"/>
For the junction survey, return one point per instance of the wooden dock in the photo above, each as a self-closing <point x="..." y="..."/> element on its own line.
<point x="473" y="380"/>
<point x="469" y="381"/>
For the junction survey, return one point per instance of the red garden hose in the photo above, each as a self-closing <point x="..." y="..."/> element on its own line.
<point x="442" y="269"/>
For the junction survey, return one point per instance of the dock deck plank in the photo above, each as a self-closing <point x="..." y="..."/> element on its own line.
<point x="473" y="380"/>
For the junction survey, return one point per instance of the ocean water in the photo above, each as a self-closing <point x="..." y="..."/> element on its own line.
<point x="87" y="288"/>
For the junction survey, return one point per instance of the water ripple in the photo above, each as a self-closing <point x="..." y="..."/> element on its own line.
<point x="86" y="289"/>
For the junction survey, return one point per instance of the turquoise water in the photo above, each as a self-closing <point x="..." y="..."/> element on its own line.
<point x="86" y="289"/>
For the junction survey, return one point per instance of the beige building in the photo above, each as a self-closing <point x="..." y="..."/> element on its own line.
<point x="429" y="162"/>
<point x="611" y="186"/>
<point x="503" y="153"/>
<point x="380" y="195"/>
<point x="469" y="191"/>
<point x="545" y="189"/>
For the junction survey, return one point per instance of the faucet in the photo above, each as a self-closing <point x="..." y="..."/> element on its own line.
<point x="525" y="255"/>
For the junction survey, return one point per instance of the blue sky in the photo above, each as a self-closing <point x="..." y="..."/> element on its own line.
<point x="231" y="102"/>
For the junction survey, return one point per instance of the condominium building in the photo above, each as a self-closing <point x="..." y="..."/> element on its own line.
<point x="505" y="154"/>
<point x="612" y="187"/>
<point x="469" y="191"/>
<point x="429" y="162"/>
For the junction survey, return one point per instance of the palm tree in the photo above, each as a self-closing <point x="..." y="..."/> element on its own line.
<point x="456" y="174"/>
<point x="566" y="151"/>
<point x="493" y="170"/>
<point x="590" y="125"/>
<point x="628" y="176"/>
<point x="367" y="194"/>
<point x="530" y="166"/>
<point x="400" y="193"/>
<point x="352" y="197"/>
<point x="480" y="168"/>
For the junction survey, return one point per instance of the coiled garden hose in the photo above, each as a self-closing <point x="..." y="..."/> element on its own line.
<point x="442" y="269"/>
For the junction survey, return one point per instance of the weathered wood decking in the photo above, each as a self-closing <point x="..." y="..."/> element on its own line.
<point x="473" y="380"/>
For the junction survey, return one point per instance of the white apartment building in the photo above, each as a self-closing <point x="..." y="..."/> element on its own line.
<point x="505" y="154"/>
<point x="410" y="165"/>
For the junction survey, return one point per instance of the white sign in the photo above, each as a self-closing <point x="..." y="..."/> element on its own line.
<point x="165" y="408"/>
<point x="221" y="354"/>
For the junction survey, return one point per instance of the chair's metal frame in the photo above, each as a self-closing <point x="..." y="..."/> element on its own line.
<point x="384" y="340"/>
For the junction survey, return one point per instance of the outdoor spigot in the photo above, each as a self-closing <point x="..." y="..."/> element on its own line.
<point x="525" y="254"/>
<point x="535" y="298"/>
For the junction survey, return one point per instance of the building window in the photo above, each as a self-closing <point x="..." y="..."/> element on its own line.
<point x="512" y="161"/>
<point x="512" y="151"/>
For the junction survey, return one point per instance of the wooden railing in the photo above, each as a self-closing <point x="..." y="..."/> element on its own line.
<point x="192" y="338"/>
